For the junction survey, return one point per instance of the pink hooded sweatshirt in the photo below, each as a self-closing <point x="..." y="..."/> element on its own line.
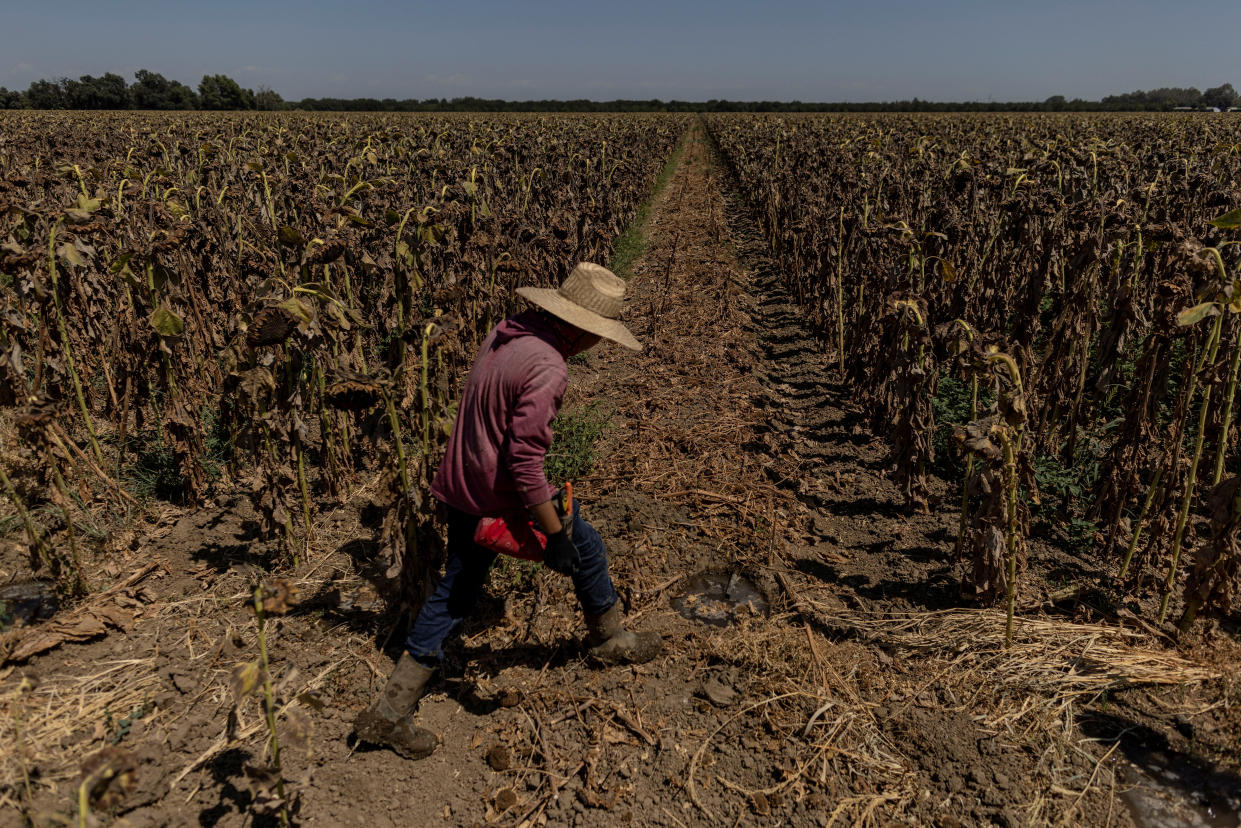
<point x="494" y="462"/>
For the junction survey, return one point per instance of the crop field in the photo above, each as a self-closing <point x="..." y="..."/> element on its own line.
<point x="200" y="298"/>
<point x="1081" y="276"/>
<point x="954" y="398"/>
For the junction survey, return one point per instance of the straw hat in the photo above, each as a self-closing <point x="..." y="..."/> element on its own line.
<point x="590" y="298"/>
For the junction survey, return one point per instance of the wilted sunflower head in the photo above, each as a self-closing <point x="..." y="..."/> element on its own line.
<point x="271" y="326"/>
<point x="277" y="597"/>
<point x="351" y="391"/>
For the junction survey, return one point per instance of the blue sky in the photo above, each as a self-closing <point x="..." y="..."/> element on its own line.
<point x="778" y="50"/>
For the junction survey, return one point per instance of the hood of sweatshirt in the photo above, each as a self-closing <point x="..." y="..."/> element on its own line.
<point x="529" y="323"/>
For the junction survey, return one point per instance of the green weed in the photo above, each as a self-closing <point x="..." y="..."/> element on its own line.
<point x="1064" y="484"/>
<point x="631" y="245"/>
<point x="1061" y="488"/>
<point x="120" y="729"/>
<point x="218" y="443"/>
<point x="155" y="473"/>
<point x="1082" y="534"/>
<point x="951" y="406"/>
<point x="512" y="575"/>
<point x="572" y="453"/>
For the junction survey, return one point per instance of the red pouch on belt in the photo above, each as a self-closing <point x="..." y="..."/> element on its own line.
<point x="516" y="535"/>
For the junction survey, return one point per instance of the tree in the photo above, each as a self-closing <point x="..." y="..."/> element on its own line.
<point x="107" y="92"/>
<point x="182" y="97"/>
<point x="11" y="99"/>
<point x="222" y="92"/>
<point x="1221" y="96"/>
<point x="152" y="90"/>
<point x="1168" y="97"/>
<point x="112" y="92"/>
<point x="266" y="99"/>
<point x="1176" y="96"/>
<point x="45" y="94"/>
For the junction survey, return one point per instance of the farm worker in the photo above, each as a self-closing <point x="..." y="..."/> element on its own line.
<point x="494" y="467"/>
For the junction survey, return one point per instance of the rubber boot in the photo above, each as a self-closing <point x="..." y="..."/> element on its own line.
<point x="608" y="642"/>
<point x="387" y="722"/>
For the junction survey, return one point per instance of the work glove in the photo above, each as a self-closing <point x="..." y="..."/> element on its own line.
<point x="561" y="555"/>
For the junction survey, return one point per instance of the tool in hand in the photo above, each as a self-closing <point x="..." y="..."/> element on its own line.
<point x="517" y="536"/>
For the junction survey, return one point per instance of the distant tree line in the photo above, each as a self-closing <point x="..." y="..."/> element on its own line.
<point x="151" y="90"/>
<point x="1219" y="97"/>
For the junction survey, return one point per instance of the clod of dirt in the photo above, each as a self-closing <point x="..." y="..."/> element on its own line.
<point x="594" y="799"/>
<point x="29" y="602"/>
<point x="184" y="682"/>
<point x="718" y="693"/>
<point x="505" y="799"/>
<point x="499" y="757"/>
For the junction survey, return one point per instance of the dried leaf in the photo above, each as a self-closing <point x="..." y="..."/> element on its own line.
<point x="297" y="309"/>
<point x="167" y="323"/>
<point x="312" y="699"/>
<point x="244" y="679"/>
<point x="1229" y="220"/>
<point x="279" y="597"/>
<point x="82" y="625"/>
<point x="256" y="381"/>
<point x="109" y="776"/>
<point x="289" y="236"/>
<point x="69" y="254"/>
<point x="1197" y="313"/>
<point x="298" y="728"/>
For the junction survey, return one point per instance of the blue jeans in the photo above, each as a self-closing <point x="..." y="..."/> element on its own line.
<point x="466" y="573"/>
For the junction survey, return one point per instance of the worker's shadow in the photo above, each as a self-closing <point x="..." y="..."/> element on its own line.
<point x="464" y="666"/>
<point x="489" y="662"/>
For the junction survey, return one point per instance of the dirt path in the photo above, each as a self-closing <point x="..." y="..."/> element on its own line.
<point x="733" y="452"/>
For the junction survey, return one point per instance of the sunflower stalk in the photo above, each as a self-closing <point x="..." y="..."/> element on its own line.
<point x="1194" y="602"/>
<point x="72" y="585"/>
<point x="969" y="475"/>
<point x="1188" y="495"/>
<point x="394" y="422"/>
<point x="300" y="453"/>
<point x="1009" y="442"/>
<point x="1207" y="354"/>
<point x="423" y="389"/>
<point x="269" y="704"/>
<point x="1230" y="395"/>
<point x="840" y="291"/>
<point x="1137" y="524"/>
<point x="36" y="540"/>
<point x="64" y="341"/>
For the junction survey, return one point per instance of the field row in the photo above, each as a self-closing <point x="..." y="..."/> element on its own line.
<point x="283" y="300"/>
<point x="1061" y="291"/>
